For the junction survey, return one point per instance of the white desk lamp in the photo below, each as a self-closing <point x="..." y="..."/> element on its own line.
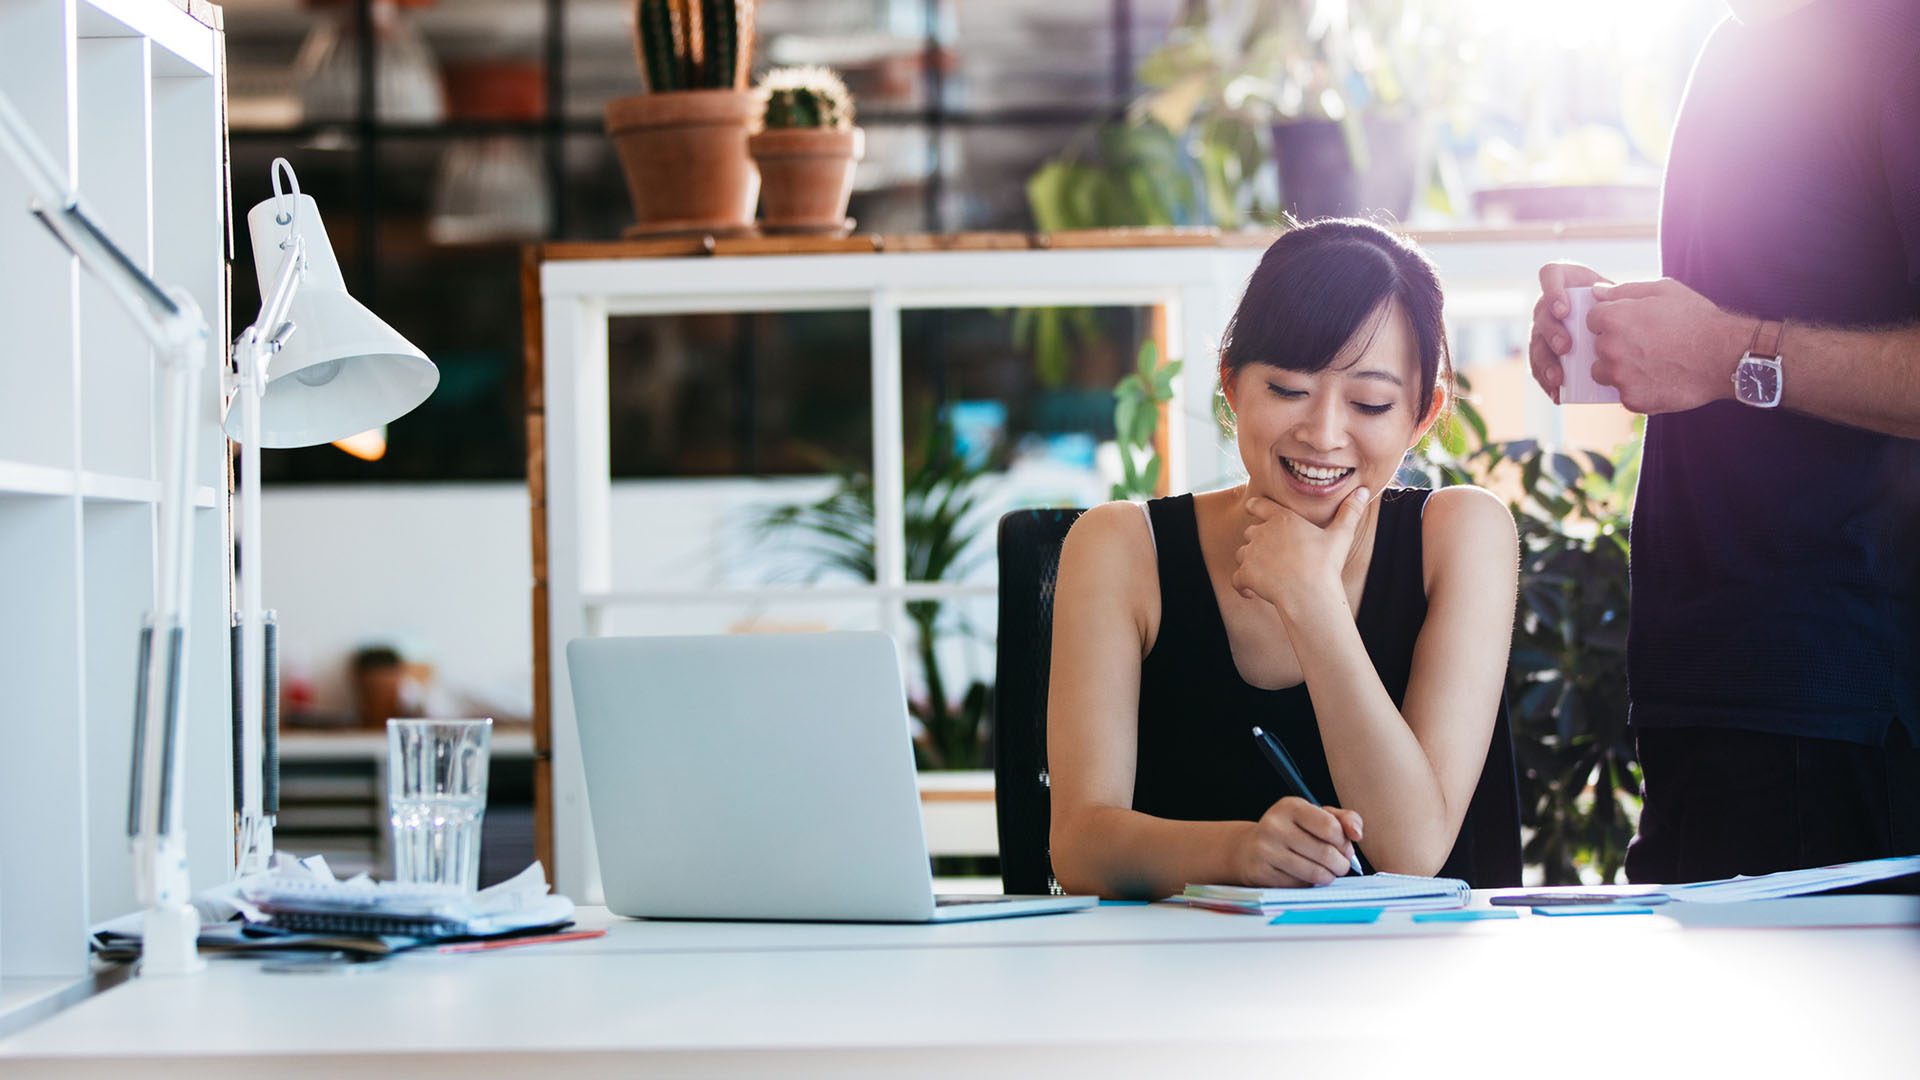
<point x="347" y="362"/>
<point x="315" y="366"/>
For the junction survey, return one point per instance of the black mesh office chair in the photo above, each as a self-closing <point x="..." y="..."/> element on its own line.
<point x="1029" y="565"/>
<point x="1487" y="854"/>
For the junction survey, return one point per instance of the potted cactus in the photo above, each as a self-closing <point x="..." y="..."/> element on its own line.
<point x="806" y="149"/>
<point x="683" y="144"/>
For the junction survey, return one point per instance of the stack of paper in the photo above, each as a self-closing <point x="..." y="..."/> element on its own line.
<point x="1399" y="891"/>
<point x="1793" y="882"/>
<point x="299" y="904"/>
<point x="310" y="903"/>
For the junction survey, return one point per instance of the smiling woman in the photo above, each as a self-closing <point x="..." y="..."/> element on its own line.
<point x="1368" y="634"/>
<point x="1337" y="348"/>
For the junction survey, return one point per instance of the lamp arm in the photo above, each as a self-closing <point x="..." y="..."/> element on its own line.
<point x="270" y="328"/>
<point x="166" y="317"/>
<point x="178" y="331"/>
<point x="252" y="358"/>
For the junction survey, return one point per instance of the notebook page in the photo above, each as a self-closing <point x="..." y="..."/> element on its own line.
<point x="1794" y="882"/>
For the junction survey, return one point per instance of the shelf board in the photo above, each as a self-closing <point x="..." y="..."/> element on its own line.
<point x="1545" y="232"/>
<point x="359" y="744"/>
<point x="1028" y="116"/>
<point x="181" y="40"/>
<point x="106" y="487"/>
<point x="19" y="478"/>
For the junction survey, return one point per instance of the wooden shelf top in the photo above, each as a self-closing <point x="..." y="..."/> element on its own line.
<point x="895" y="243"/>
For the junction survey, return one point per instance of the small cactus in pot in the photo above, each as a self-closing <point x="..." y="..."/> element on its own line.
<point x="683" y="144"/>
<point x="805" y="97"/>
<point x="806" y="149"/>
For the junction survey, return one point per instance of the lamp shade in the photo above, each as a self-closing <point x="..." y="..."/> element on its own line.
<point x="343" y="370"/>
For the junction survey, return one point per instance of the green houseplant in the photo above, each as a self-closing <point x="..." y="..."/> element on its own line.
<point x="683" y="144"/>
<point x="1231" y="84"/>
<point x="1323" y="90"/>
<point x="1136" y="417"/>
<point x="1566" y="681"/>
<point x="806" y="149"/>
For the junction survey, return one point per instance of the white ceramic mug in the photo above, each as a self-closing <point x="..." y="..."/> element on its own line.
<point x="1576" y="367"/>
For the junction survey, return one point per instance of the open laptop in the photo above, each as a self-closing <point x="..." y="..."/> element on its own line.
<point x="765" y="776"/>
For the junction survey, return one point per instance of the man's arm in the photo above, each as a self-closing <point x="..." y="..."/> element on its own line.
<point x="1862" y="378"/>
<point x="1668" y="349"/>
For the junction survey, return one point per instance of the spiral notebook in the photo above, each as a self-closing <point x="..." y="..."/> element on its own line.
<point x="1391" y="891"/>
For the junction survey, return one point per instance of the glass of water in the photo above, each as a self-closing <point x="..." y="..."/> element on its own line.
<point x="436" y="796"/>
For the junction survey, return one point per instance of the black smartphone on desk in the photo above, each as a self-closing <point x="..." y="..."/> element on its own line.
<point x="1565" y="899"/>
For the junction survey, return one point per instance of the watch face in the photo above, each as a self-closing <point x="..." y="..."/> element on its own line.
<point x="1757" y="383"/>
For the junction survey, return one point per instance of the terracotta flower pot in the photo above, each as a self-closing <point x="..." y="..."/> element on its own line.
<point x="684" y="153"/>
<point x="808" y="176"/>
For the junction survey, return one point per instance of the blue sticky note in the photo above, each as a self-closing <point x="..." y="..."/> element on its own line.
<point x="1570" y="911"/>
<point x="1326" y="916"/>
<point x="1465" y="915"/>
<point x="1124" y="903"/>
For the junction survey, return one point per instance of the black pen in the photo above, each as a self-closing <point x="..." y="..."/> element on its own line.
<point x="1276" y="755"/>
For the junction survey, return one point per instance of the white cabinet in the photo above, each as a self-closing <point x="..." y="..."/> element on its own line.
<point x="127" y="95"/>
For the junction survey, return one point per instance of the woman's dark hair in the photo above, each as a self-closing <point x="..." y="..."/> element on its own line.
<point x="1319" y="284"/>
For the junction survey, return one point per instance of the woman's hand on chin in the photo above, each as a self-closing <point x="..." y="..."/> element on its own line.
<point x="1292" y="563"/>
<point x="1296" y="844"/>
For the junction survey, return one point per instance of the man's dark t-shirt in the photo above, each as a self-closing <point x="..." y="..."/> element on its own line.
<point x="1776" y="557"/>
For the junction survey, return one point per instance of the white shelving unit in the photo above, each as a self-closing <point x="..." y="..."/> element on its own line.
<point x="127" y="95"/>
<point x="1489" y="275"/>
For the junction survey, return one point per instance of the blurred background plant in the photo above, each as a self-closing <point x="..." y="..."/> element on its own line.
<point x="1197" y="146"/>
<point x="1567" y="679"/>
<point x="1233" y="80"/>
<point x="944" y="518"/>
<point x="1137" y="402"/>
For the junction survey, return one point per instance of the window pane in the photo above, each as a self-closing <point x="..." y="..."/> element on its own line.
<point x="754" y="394"/>
<point x="1006" y="409"/>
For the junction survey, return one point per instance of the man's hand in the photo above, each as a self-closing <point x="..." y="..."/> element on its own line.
<point x="1550" y="340"/>
<point x="1665" y="347"/>
<point x="1292" y="563"/>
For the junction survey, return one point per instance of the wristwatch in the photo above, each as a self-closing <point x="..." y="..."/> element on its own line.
<point x="1757" y="379"/>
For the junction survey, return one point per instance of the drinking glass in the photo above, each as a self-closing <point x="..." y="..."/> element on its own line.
<point x="436" y="797"/>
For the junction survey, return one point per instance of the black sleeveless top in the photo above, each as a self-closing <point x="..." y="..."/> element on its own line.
<point x="1196" y="758"/>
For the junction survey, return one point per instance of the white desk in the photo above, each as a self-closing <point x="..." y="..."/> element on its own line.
<point x="1822" y="987"/>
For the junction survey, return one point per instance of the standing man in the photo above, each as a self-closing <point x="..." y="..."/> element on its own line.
<point x="1773" y="659"/>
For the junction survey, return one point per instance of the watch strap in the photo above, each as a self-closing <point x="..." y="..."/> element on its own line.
<point x="1765" y="344"/>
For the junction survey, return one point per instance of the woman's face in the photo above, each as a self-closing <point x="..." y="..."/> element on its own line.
<point x="1308" y="440"/>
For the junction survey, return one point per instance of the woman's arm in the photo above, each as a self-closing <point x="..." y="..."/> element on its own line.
<point x="1410" y="773"/>
<point x="1104" y="609"/>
